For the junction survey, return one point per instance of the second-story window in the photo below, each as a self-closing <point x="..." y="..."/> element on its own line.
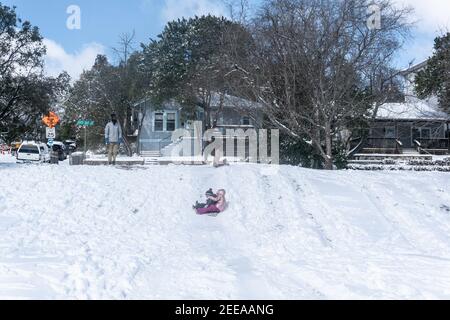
<point x="159" y="121"/>
<point x="170" y="124"/>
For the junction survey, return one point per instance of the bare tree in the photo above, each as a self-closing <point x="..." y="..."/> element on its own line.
<point x="125" y="47"/>
<point x="238" y="10"/>
<point x="124" y="51"/>
<point x="313" y="64"/>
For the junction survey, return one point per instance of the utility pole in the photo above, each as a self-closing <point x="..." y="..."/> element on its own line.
<point x="85" y="141"/>
<point x="85" y="124"/>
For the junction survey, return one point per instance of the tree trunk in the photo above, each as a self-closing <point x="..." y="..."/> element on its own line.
<point x="207" y="124"/>
<point x="329" y="150"/>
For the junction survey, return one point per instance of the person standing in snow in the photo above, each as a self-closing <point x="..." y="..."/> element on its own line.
<point x="113" y="138"/>
<point x="218" y="205"/>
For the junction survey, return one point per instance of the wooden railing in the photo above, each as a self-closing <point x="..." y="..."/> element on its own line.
<point x="383" y="145"/>
<point x="433" y="146"/>
<point x="440" y="143"/>
<point x="376" y="145"/>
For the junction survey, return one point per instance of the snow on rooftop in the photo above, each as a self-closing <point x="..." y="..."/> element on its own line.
<point x="229" y="101"/>
<point x="412" y="110"/>
<point x="415" y="67"/>
<point x="233" y="102"/>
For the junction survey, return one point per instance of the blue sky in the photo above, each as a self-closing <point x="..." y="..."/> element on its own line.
<point x="102" y="21"/>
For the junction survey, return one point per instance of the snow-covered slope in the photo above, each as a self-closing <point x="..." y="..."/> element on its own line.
<point x="98" y="232"/>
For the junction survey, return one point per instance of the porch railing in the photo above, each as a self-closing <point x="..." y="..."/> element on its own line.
<point x="165" y="142"/>
<point x="433" y="144"/>
<point x="385" y="145"/>
<point x="376" y="145"/>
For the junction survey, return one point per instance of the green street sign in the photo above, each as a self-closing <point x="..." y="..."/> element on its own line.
<point x="85" y="123"/>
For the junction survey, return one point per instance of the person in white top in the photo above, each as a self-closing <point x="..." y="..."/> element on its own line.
<point x="113" y="138"/>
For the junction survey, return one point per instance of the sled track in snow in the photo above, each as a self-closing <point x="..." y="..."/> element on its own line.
<point x="287" y="233"/>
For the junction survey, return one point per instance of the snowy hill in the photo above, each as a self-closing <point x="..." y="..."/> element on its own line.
<point x="98" y="232"/>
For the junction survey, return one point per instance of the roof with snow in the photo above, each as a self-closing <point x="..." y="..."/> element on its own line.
<point x="415" y="68"/>
<point x="230" y="101"/>
<point x="413" y="110"/>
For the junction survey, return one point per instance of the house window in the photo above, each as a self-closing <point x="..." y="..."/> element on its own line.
<point x="246" y="121"/>
<point x="422" y="133"/>
<point x="135" y="119"/>
<point x="425" y="133"/>
<point x="159" y="121"/>
<point x="170" y="124"/>
<point x="200" y="115"/>
<point x="389" y="132"/>
<point x="416" y="133"/>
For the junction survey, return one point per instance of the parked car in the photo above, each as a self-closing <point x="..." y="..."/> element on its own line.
<point x="60" y="148"/>
<point x="31" y="151"/>
<point x="71" y="146"/>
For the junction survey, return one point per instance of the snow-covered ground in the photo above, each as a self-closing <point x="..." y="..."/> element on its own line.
<point x="104" y="232"/>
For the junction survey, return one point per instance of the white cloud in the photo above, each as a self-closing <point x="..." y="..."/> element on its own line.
<point x="174" y="9"/>
<point x="58" y="60"/>
<point x="432" y="19"/>
<point x="432" y="16"/>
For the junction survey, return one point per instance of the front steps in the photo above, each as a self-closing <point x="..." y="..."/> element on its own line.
<point x="409" y="160"/>
<point x="151" y="157"/>
<point x="151" y="154"/>
<point x="407" y="155"/>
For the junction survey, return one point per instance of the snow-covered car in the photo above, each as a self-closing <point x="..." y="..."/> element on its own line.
<point x="71" y="146"/>
<point x="60" y="148"/>
<point x="31" y="151"/>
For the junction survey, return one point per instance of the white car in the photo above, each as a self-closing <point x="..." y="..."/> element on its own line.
<point x="31" y="151"/>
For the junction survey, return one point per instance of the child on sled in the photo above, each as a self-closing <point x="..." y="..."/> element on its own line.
<point x="215" y="203"/>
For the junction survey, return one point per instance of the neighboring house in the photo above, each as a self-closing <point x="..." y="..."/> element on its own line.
<point x="413" y="126"/>
<point x="154" y="124"/>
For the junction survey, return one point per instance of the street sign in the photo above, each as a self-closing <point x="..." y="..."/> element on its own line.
<point x="50" y="133"/>
<point x="51" y="120"/>
<point x="50" y="142"/>
<point x="85" y="123"/>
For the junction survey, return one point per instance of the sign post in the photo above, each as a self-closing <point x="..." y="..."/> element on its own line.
<point x="85" y="140"/>
<point x="51" y="120"/>
<point x="50" y="133"/>
<point x="85" y="124"/>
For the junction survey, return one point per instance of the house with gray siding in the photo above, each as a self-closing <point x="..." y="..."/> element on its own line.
<point x="154" y="124"/>
<point x="413" y="126"/>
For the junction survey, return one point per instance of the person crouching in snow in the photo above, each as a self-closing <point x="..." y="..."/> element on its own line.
<point x="216" y="206"/>
<point x="113" y="138"/>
